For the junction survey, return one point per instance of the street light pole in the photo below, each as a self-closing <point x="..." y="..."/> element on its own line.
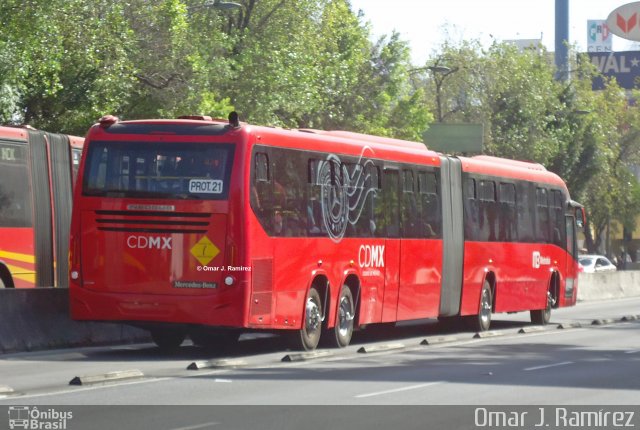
<point x="439" y="75"/>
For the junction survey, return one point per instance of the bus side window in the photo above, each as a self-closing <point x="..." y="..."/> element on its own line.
<point x="410" y="219"/>
<point x="429" y="205"/>
<point x="507" y="212"/>
<point x="261" y="192"/>
<point x="557" y="216"/>
<point x="524" y="203"/>
<point x="365" y="199"/>
<point x="387" y="208"/>
<point x="542" y="216"/>
<point x="488" y="211"/>
<point x="15" y="187"/>
<point x="471" y="210"/>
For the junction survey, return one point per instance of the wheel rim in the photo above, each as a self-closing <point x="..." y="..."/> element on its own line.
<point x="313" y="317"/>
<point x="345" y="317"/>
<point x="485" y="307"/>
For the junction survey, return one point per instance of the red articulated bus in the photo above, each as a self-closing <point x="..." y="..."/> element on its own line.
<point x="37" y="171"/>
<point x="202" y="228"/>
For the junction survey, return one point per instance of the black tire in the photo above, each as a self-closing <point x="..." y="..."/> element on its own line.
<point x="5" y="278"/>
<point x="168" y="340"/>
<point x="340" y="335"/>
<point x="542" y="316"/>
<point x="482" y="321"/>
<point x="308" y="337"/>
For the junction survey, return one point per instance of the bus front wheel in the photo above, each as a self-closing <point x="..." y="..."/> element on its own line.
<point x="542" y="316"/>
<point x="482" y="320"/>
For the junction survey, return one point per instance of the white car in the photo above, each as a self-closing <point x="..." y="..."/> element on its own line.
<point x="596" y="264"/>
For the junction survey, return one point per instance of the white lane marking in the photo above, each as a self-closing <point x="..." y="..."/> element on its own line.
<point x="197" y="426"/>
<point x="632" y="351"/>
<point x="397" y="390"/>
<point x="564" y="363"/>
<point x="222" y="380"/>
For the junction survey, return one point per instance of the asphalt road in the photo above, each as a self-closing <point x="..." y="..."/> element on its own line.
<point x="396" y="381"/>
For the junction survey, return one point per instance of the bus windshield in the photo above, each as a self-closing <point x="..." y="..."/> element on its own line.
<point x="158" y="170"/>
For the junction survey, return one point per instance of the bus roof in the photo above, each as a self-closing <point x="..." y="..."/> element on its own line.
<point x="339" y="141"/>
<point x="494" y="166"/>
<point x="15" y="133"/>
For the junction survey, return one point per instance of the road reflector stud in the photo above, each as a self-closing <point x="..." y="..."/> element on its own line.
<point x="306" y="356"/>
<point x="570" y="325"/>
<point x="602" y="321"/>
<point x="532" y="329"/>
<point x="439" y="339"/>
<point x="213" y="364"/>
<point x="5" y="390"/>
<point x="381" y="348"/>
<point x="484" y="334"/>
<point x="106" y="377"/>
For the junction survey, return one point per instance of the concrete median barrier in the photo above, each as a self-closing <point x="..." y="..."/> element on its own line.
<point x="611" y="285"/>
<point x="36" y="319"/>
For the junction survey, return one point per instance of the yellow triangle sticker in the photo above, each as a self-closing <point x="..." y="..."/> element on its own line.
<point x="204" y="251"/>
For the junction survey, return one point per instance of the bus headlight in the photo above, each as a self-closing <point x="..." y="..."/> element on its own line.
<point x="75" y="275"/>
<point x="229" y="281"/>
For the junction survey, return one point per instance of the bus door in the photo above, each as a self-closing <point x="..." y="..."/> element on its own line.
<point x="388" y="226"/>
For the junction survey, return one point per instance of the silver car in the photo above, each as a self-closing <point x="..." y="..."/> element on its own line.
<point x="596" y="264"/>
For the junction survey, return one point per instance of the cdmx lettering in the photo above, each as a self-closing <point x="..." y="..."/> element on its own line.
<point x="371" y="256"/>
<point x="149" y="242"/>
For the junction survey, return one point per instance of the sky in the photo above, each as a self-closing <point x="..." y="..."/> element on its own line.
<point x="425" y="23"/>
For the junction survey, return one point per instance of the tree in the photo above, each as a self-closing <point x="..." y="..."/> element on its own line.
<point x="69" y="61"/>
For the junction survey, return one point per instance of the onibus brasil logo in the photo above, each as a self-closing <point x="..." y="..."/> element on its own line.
<point x="32" y="418"/>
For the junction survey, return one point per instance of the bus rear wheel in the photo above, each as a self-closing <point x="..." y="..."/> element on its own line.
<point x="482" y="321"/>
<point x="167" y="339"/>
<point x="341" y="334"/>
<point x="308" y="337"/>
<point x="542" y="316"/>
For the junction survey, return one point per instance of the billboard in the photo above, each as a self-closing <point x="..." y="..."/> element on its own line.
<point x="625" y="21"/>
<point x="460" y="138"/>
<point x="623" y="66"/>
<point x="599" y="37"/>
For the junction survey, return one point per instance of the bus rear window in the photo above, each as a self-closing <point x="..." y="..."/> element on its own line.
<point x="158" y="170"/>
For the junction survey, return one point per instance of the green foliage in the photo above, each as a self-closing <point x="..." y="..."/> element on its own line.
<point x="69" y="64"/>
<point x="588" y="138"/>
<point x="312" y="64"/>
